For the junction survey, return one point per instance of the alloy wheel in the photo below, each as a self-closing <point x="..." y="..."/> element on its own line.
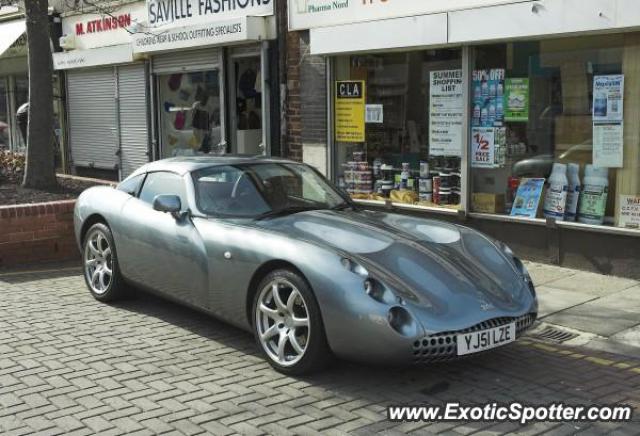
<point x="98" y="263"/>
<point x="282" y="322"/>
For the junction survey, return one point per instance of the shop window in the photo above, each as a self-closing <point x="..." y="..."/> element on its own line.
<point x="553" y="132"/>
<point x="398" y="126"/>
<point x="189" y="113"/>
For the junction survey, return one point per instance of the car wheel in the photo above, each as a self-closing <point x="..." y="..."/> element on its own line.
<point x="101" y="272"/>
<point x="287" y="324"/>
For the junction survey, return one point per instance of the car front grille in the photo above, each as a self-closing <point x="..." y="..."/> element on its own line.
<point x="443" y="346"/>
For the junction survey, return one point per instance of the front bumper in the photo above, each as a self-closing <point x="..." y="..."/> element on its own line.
<point x="443" y="346"/>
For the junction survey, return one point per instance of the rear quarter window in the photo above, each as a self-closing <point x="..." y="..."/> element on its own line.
<point x="131" y="185"/>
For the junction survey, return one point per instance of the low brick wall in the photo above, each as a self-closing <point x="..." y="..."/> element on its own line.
<point x="37" y="233"/>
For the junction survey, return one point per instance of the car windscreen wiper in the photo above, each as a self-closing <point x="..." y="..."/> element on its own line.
<point x="286" y="211"/>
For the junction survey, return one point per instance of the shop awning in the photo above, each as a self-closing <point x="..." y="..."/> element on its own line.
<point x="10" y="31"/>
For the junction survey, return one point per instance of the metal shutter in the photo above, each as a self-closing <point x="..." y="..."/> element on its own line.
<point x="245" y="51"/>
<point x="91" y="109"/>
<point x="190" y="60"/>
<point x="134" y="120"/>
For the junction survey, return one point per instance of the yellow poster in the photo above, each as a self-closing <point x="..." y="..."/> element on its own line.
<point x="349" y="110"/>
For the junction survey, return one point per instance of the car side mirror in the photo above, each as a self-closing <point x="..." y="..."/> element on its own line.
<point x="167" y="203"/>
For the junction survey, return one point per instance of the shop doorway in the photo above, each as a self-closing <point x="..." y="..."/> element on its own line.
<point x="245" y="109"/>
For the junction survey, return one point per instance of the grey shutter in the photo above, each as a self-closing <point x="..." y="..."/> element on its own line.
<point x="91" y="109"/>
<point x="245" y="51"/>
<point x="190" y="60"/>
<point x="134" y="119"/>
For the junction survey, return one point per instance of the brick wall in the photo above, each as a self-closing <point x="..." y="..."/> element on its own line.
<point x="293" y="144"/>
<point x="36" y="233"/>
<point x="306" y="102"/>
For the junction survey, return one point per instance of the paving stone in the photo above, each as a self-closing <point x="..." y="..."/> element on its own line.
<point x="69" y="364"/>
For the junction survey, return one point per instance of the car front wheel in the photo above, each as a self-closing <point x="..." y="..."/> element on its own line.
<point x="101" y="272"/>
<point x="287" y="324"/>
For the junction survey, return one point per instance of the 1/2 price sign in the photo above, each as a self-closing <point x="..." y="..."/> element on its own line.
<point x="483" y="147"/>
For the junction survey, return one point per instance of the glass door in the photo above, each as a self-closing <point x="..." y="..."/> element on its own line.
<point x="246" y="114"/>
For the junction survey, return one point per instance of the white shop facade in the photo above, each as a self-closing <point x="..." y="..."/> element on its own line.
<point x="107" y="93"/>
<point x="160" y="78"/>
<point x="520" y="118"/>
<point x="209" y="70"/>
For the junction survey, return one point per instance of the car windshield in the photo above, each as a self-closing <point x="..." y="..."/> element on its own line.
<point x="260" y="190"/>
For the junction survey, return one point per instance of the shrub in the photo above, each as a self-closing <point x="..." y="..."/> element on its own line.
<point x="11" y="167"/>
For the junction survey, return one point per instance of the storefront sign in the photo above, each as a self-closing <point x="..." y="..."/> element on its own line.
<point x="608" y="136"/>
<point x="188" y="12"/>
<point x="488" y="98"/>
<point x="446" y="113"/>
<point x="308" y="14"/>
<point x="483" y="147"/>
<point x="629" y="212"/>
<point x="516" y="100"/>
<point x="528" y="198"/>
<point x="214" y="33"/>
<point x="103" y="24"/>
<point x="98" y="30"/>
<point x="350" y="111"/>
<point x="117" y="54"/>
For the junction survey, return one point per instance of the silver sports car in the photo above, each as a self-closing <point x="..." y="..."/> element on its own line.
<point x="271" y="246"/>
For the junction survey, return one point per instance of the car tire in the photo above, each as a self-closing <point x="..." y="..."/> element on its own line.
<point x="289" y="331"/>
<point x="100" y="264"/>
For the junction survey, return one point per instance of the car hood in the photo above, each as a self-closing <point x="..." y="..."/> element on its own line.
<point x="446" y="267"/>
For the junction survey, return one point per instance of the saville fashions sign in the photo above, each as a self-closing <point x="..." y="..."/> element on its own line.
<point x="186" y="12"/>
<point x="309" y="14"/>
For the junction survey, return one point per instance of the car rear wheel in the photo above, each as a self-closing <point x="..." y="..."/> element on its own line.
<point x="101" y="271"/>
<point x="287" y="324"/>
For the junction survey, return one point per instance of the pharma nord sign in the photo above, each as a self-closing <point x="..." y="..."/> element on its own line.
<point x="308" y="14"/>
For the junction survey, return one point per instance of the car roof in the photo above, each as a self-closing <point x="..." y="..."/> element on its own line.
<point x="187" y="164"/>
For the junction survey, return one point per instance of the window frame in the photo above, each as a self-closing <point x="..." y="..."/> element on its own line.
<point x="186" y="204"/>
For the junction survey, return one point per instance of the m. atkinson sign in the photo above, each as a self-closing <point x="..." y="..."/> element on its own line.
<point x="103" y="24"/>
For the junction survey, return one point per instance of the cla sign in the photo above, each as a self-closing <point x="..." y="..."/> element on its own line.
<point x="349" y="89"/>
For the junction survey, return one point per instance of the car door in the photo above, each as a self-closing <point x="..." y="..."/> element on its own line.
<point x="163" y="252"/>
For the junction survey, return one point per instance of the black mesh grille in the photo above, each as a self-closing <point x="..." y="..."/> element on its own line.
<point x="442" y="346"/>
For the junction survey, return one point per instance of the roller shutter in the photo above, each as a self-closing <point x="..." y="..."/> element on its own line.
<point x="190" y="60"/>
<point x="134" y="118"/>
<point x="91" y="106"/>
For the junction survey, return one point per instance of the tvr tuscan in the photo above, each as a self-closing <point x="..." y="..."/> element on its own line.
<point x="271" y="246"/>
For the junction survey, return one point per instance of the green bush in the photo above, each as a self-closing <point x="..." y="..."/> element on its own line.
<point x="11" y="167"/>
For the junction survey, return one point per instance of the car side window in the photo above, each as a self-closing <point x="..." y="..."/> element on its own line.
<point x="163" y="183"/>
<point x="131" y="185"/>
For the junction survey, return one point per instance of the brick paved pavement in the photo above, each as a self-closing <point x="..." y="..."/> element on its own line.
<point x="69" y="364"/>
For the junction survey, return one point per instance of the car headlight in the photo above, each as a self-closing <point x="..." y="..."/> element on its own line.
<point x="354" y="267"/>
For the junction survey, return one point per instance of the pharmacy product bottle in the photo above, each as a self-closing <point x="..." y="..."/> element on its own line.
<point x="593" y="198"/>
<point x="555" y="200"/>
<point x="573" y="194"/>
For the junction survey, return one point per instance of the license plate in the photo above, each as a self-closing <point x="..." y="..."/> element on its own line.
<point x="475" y="342"/>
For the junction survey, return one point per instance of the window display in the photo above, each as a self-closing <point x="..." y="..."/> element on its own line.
<point x="555" y="112"/>
<point x="398" y="126"/>
<point x="5" y="132"/>
<point x="189" y="113"/>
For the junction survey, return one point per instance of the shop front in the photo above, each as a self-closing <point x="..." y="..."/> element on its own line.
<point x="209" y="64"/>
<point x="106" y="93"/>
<point x="519" y="118"/>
